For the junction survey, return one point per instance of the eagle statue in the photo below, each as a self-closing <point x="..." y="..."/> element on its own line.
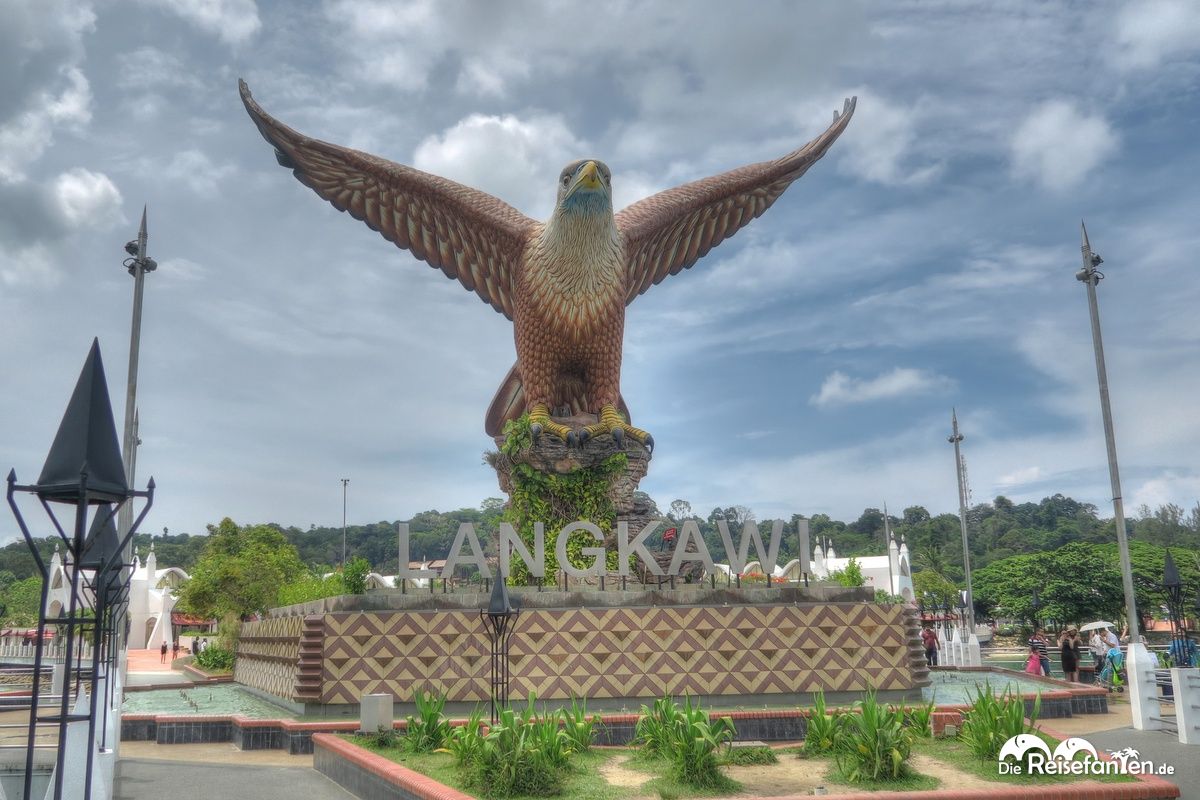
<point x="564" y="282"/>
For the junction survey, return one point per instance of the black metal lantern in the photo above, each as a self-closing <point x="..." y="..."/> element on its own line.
<point x="499" y="618"/>
<point x="84" y="471"/>
<point x="1181" y="648"/>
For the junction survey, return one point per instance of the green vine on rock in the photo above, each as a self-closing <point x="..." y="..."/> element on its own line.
<point x="556" y="500"/>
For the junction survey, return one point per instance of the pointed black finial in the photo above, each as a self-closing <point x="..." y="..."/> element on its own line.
<point x="499" y="606"/>
<point x="102" y="539"/>
<point x="1171" y="573"/>
<point x="142" y="229"/>
<point x="86" y="436"/>
<point x="1083" y="230"/>
<point x="12" y="475"/>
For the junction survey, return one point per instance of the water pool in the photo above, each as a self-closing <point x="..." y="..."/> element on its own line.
<point x="216" y="699"/>
<point x="958" y="687"/>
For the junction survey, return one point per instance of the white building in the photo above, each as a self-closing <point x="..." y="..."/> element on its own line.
<point x="150" y="598"/>
<point x="891" y="573"/>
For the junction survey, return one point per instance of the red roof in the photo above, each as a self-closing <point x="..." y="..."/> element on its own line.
<point x="179" y="618"/>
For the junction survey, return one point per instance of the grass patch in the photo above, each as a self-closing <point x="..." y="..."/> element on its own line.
<point x="749" y="757"/>
<point x="957" y="754"/>
<point x="662" y="784"/>
<point x="582" y="777"/>
<point x="912" y="782"/>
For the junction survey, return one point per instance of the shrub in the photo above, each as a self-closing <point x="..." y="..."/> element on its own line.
<point x="821" y="735"/>
<point x="579" y="729"/>
<point x="654" y="726"/>
<point x="465" y="742"/>
<point x="694" y="743"/>
<point x="991" y="721"/>
<point x="512" y="760"/>
<point x="428" y="730"/>
<point x="215" y="659"/>
<point x="874" y="744"/>
<point x="384" y="737"/>
<point x="850" y="576"/>
<point x="920" y="720"/>
<point x="310" y="587"/>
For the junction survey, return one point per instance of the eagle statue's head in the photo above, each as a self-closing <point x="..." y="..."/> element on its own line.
<point x="585" y="187"/>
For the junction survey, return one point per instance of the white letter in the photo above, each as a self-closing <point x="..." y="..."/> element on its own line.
<point x="510" y="541"/>
<point x="405" y="571"/>
<point x="690" y="531"/>
<point x="737" y="561"/>
<point x="627" y="547"/>
<point x="465" y="531"/>
<point x="560" y="550"/>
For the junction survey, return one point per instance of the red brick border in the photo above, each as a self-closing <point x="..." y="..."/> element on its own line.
<point x="412" y="782"/>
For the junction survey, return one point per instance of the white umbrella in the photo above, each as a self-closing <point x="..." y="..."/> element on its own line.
<point x="1091" y="626"/>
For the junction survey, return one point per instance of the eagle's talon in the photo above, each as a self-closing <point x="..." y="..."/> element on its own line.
<point x="535" y="430"/>
<point x="618" y="435"/>
<point x="649" y="443"/>
<point x="583" y="436"/>
<point x="572" y="439"/>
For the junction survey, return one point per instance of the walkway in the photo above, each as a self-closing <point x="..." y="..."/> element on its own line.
<point x="145" y="668"/>
<point x="154" y="779"/>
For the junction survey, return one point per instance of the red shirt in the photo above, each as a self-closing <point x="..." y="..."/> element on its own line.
<point x="929" y="638"/>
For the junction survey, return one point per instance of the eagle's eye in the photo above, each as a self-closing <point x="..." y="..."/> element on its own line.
<point x="566" y="178"/>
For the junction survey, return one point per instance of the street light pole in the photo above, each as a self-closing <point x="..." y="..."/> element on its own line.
<point x="956" y="439"/>
<point x="138" y="265"/>
<point x="1090" y="276"/>
<point x="345" y="482"/>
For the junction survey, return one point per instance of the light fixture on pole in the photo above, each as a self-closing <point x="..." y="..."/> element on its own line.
<point x="1090" y="277"/>
<point x="960" y="469"/>
<point x="345" y="483"/>
<point x="499" y="618"/>
<point x="138" y="265"/>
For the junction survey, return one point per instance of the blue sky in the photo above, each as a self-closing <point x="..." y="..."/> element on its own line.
<point x="807" y="365"/>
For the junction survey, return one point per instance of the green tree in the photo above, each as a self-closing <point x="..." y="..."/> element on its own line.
<point x="355" y="575"/>
<point x="934" y="589"/>
<point x="240" y="571"/>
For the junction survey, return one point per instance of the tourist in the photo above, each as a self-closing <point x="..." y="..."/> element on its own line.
<point x="163" y="653"/>
<point x="174" y="649"/>
<point x="929" y="638"/>
<point x="1110" y="639"/>
<point x="1099" y="649"/>
<point x="1033" y="664"/>
<point x="1038" y="642"/>
<point x="1069" y="648"/>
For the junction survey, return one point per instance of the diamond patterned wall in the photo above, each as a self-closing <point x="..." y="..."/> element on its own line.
<point x="268" y="652"/>
<point x="623" y="652"/>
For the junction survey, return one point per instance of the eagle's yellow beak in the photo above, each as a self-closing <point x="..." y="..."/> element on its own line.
<point x="588" y="177"/>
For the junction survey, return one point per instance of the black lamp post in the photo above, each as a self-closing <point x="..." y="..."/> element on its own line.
<point x="83" y="471"/>
<point x="499" y="618"/>
<point x="1180" y="649"/>
<point x="962" y="614"/>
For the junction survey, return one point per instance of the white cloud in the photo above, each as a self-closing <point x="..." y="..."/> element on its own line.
<point x="882" y="143"/>
<point x="1020" y="476"/>
<point x="515" y="159"/>
<point x="25" y="137"/>
<point x="30" y="266"/>
<point x="1169" y="487"/>
<point x="1150" y="32"/>
<point x="195" y="170"/>
<point x="182" y="269"/>
<point x="88" y="198"/>
<point x="234" y="22"/>
<point x="1057" y="145"/>
<point x="840" y="389"/>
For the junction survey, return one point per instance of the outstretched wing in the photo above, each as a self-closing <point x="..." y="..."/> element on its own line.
<point x="468" y="234"/>
<point x="670" y="231"/>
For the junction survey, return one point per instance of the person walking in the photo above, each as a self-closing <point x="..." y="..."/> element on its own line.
<point x="174" y="649"/>
<point x="929" y="638"/>
<point x="1069" y="651"/>
<point x="1038" y="642"/>
<point x="162" y="659"/>
<point x="1099" y="650"/>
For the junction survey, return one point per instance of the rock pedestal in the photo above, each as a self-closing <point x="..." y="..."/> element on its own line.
<point x="552" y="456"/>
